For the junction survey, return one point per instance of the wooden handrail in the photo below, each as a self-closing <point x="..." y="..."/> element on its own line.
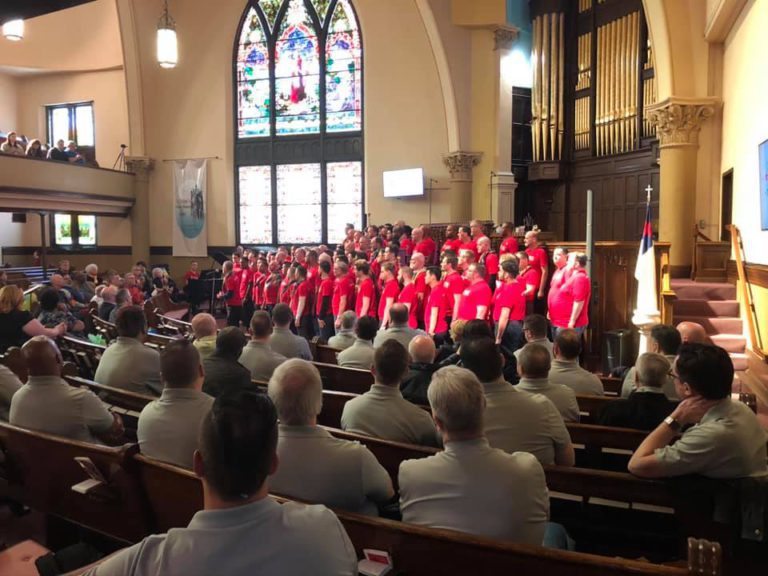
<point x="746" y="292"/>
<point x="666" y="294"/>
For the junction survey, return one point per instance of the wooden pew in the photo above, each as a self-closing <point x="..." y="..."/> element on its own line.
<point x="167" y="307"/>
<point x="325" y="354"/>
<point x="180" y="327"/>
<point x="84" y="354"/>
<point x="13" y="360"/>
<point x="106" y="329"/>
<point x="116" y="396"/>
<point x="344" y="379"/>
<point x="590" y="406"/>
<point x="611" y="385"/>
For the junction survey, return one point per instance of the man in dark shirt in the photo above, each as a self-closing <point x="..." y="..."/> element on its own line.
<point x="223" y="372"/>
<point x="414" y="386"/>
<point x="58" y="152"/>
<point x="647" y="406"/>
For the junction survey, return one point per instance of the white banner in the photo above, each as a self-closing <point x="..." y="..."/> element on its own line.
<point x="190" y="232"/>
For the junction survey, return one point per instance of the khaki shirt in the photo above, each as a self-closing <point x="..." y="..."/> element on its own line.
<point x="728" y="443"/>
<point x="343" y="339"/>
<point x="344" y="474"/>
<point x="569" y="373"/>
<point x="261" y="360"/>
<point x="359" y="355"/>
<point x="473" y="488"/>
<point x="130" y="365"/>
<point x="561" y="396"/>
<point x="382" y="412"/>
<point x="205" y="346"/>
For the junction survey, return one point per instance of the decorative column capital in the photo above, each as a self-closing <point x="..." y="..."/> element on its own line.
<point x="139" y="165"/>
<point x="678" y="120"/>
<point x="460" y="164"/>
<point x="504" y="37"/>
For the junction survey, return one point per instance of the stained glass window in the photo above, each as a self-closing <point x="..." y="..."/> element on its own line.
<point x="74" y="230"/>
<point x="298" y="74"/>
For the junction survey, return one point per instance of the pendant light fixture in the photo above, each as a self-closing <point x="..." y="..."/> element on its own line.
<point x="167" y="44"/>
<point x="13" y="30"/>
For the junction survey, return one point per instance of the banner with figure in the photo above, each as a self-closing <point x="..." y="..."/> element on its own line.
<point x="190" y="233"/>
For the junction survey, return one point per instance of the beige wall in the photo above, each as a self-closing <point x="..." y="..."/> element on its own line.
<point x="745" y="122"/>
<point x="8" y="103"/>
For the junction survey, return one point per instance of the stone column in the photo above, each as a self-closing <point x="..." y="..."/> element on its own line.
<point x="460" y="164"/>
<point x="678" y="121"/>
<point x="141" y="167"/>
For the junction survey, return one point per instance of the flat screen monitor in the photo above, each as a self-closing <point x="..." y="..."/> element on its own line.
<point x="404" y="183"/>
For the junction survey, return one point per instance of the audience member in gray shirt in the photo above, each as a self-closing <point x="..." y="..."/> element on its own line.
<point x="223" y="373"/>
<point x="533" y="367"/>
<point x="535" y="331"/>
<point x="257" y="355"/>
<point x="345" y="337"/>
<point x="360" y="354"/>
<point x="283" y="341"/>
<point x="398" y="328"/>
<point x="565" y="367"/>
<point x="665" y="340"/>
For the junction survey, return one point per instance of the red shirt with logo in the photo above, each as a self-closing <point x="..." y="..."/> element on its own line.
<point x="530" y="277"/>
<point x="474" y="295"/>
<point x="537" y="258"/>
<point x="366" y="289"/>
<point x="426" y="247"/>
<point x="342" y="287"/>
<point x="453" y="284"/>
<point x="509" y="295"/>
<point x="391" y="290"/>
<point x="559" y="301"/>
<point x="232" y="285"/>
<point x="301" y="290"/>
<point x="579" y="288"/>
<point x="408" y="296"/>
<point x="437" y="299"/>
<point x="452" y="245"/>
<point x="509" y="245"/>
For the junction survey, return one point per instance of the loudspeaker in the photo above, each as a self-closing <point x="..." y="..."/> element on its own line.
<point x="617" y="349"/>
<point x="19" y="218"/>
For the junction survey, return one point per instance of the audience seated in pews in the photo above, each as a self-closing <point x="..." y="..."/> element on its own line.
<point x="382" y="412"/>
<point x="504" y="496"/>
<point x="533" y="366"/>
<point x="241" y="530"/>
<point x="448" y="353"/>
<point x="398" y="328"/>
<point x="46" y="403"/>
<point x="122" y="300"/>
<point x="18" y="325"/>
<point x="108" y="301"/>
<point x="9" y="385"/>
<point x="168" y="427"/>
<point x="516" y="420"/>
<point x="12" y="145"/>
<point x="535" y="331"/>
<point x="223" y="371"/>
<point x="665" y="340"/>
<point x="127" y="363"/>
<point x="53" y="312"/>
<point x="204" y="330"/>
<point x="345" y="335"/>
<point x="724" y="440"/>
<point x="414" y="386"/>
<point x="258" y="356"/>
<point x="129" y="283"/>
<point x="647" y="406"/>
<point x="283" y="341"/>
<point x="92" y="275"/>
<point x="360" y="354"/>
<point x="344" y="474"/>
<point x="565" y="366"/>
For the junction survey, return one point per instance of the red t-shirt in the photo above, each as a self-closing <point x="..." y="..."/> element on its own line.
<point x="313" y="277"/>
<point x="508" y="245"/>
<point x="437" y="299"/>
<point x="426" y="247"/>
<point x="137" y="296"/>
<point x="509" y="295"/>
<point x="232" y="284"/>
<point x="258" y="288"/>
<point x="477" y="294"/>
<point x="471" y="245"/>
<point x="366" y="289"/>
<point x="342" y="287"/>
<point x="406" y="245"/>
<point x="391" y="290"/>
<point x="452" y="245"/>
<point x="453" y="284"/>
<point x="491" y="262"/>
<point x="191" y="276"/>
<point x="270" y="293"/>
<point x="408" y="296"/>
<point x="324" y="290"/>
<point x="375" y="269"/>
<point x="537" y="258"/>
<point x="559" y="302"/>
<point x="301" y="290"/>
<point x="284" y="294"/>
<point x="579" y="288"/>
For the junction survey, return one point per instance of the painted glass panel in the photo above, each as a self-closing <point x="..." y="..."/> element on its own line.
<point x="270" y="9"/>
<point x="299" y="212"/>
<point x="345" y="198"/>
<point x="343" y="81"/>
<point x="253" y="97"/>
<point x="321" y="7"/>
<point x="256" y="204"/>
<point x="62" y="224"/>
<point x="297" y="68"/>
<point x="87" y="230"/>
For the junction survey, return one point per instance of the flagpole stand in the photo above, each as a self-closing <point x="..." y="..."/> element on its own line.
<point x="645" y="321"/>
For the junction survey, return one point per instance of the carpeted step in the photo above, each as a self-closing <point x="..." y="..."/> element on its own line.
<point x="740" y="361"/>
<point x="706" y="308"/>
<point x="730" y="342"/>
<point x="689" y="290"/>
<point x="715" y="325"/>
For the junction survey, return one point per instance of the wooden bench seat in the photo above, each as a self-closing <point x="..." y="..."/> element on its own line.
<point x="14" y="361"/>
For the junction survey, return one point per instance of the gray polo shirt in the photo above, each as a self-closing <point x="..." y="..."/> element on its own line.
<point x="260" y="359"/>
<point x="403" y="334"/>
<point x="473" y="488"/>
<point x="382" y="412"/>
<point x="344" y="474"/>
<point x="48" y="404"/>
<point x="544" y="342"/>
<point x="130" y="365"/>
<point x="728" y="443"/>
<point x="343" y="339"/>
<point x="516" y="420"/>
<point x="169" y="426"/>
<point x="9" y="385"/>
<point x="288" y="344"/>
<point x="561" y="396"/>
<point x="569" y="373"/>
<point x="264" y="538"/>
<point x="628" y="385"/>
<point x="359" y="355"/>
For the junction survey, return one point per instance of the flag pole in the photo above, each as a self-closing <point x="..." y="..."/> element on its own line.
<point x="646" y="314"/>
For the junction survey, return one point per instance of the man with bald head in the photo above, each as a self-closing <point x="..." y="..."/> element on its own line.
<point x="398" y="328"/>
<point x="692" y="333"/>
<point x="46" y="403"/>
<point x="204" y="329"/>
<point x="414" y="386"/>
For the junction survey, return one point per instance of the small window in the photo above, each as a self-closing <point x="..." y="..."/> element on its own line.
<point x="71" y="122"/>
<point x="74" y="230"/>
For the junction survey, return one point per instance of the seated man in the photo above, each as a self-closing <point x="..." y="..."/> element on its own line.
<point x="46" y="403"/>
<point x="344" y="474"/>
<point x="565" y="367"/>
<point x="533" y="365"/>
<point x="505" y="495"/>
<point x="382" y="412"/>
<point x="647" y="406"/>
<point x="516" y="421"/>
<point x="345" y="336"/>
<point x="283" y="341"/>
<point x="398" y="328"/>
<point x="692" y="333"/>
<point x="257" y="355"/>
<point x="535" y="331"/>
<point x="726" y="440"/>
<point x="122" y="300"/>
<point x="241" y="530"/>
<point x="168" y="427"/>
<point x="223" y="371"/>
<point x="360" y="354"/>
<point x="204" y="329"/>
<point x="9" y="385"/>
<point x="665" y="340"/>
<point x="109" y="297"/>
<point x="127" y="363"/>
<point x="422" y="352"/>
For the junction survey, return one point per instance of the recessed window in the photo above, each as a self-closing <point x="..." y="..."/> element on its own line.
<point x="74" y="230"/>
<point x="71" y="122"/>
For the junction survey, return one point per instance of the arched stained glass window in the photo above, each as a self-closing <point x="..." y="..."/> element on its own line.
<point x="299" y="115"/>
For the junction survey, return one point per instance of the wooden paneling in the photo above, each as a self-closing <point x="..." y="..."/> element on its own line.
<point x="711" y="261"/>
<point x="757" y="274"/>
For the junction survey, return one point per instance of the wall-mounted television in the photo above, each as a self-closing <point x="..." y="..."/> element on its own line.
<point x="404" y="183"/>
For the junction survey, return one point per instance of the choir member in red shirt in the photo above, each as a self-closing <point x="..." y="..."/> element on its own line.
<point x="323" y="301"/>
<point x="435" y="311"/>
<point x="424" y="244"/>
<point x="301" y="304"/>
<point x="365" y="297"/>
<point x="467" y="243"/>
<point x="192" y="274"/>
<point x="247" y="280"/>
<point x="284" y="293"/>
<point x="230" y="293"/>
<point x="537" y="258"/>
<point x="313" y="272"/>
<point x="476" y="298"/>
<point x="466" y="259"/>
<point x="559" y="304"/>
<point x="451" y="243"/>
<point x="389" y="293"/>
<point x="530" y="278"/>
<point x="419" y="280"/>
<point x="453" y="284"/>
<point x="578" y="290"/>
<point x="271" y="289"/>
<point x="343" y="292"/>
<point x="509" y="308"/>
<point x="408" y="296"/>
<point x="509" y="242"/>
<point x="476" y="230"/>
<point x="488" y="259"/>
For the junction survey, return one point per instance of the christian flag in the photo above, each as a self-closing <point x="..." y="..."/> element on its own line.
<point x="645" y="271"/>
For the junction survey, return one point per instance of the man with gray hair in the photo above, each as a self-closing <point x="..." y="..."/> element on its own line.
<point x="565" y="366"/>
<point x="648" y="405"/>
<point x="345" y="336"/>
<point x="315" y="466"/>
<point x="109" y="297"/>
<point x="257" y="355"/>
<point x="533" y="366"/>
<point x="437" y="491"/>
<point x="398" y="328"/>
<point x="204" y="328"/>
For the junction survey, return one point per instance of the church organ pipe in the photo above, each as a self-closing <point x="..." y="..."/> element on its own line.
<point x="548" y="106"/>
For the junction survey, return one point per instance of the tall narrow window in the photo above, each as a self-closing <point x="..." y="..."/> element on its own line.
<point x="71" y="122"/>
<point x="73" y="230"/>
<point x="298" y="76"/>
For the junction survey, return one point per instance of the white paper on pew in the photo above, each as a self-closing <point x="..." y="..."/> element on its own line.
<point x="86" y="486"/>
<point x="376" y="563"/>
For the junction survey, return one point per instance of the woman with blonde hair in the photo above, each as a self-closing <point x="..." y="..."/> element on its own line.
<point x="17" y="325"/>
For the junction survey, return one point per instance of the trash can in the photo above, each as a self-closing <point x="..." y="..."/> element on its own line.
<point x="617" y="349"/>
